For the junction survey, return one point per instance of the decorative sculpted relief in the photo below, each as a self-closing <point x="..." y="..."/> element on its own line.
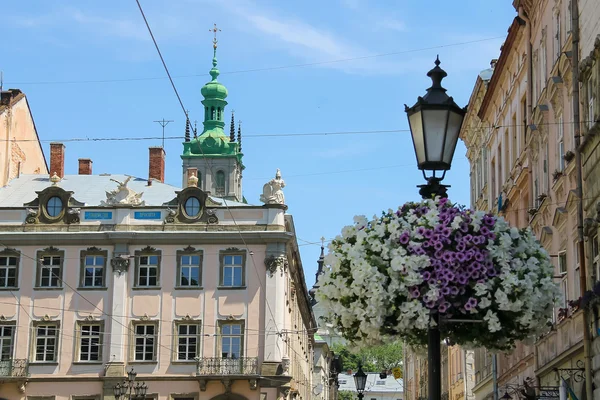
<point x="123" y="195"/>
<point x="273" y="263"/>
<point x="120" y="263"/>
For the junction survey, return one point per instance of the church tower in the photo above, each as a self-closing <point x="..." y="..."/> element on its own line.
<point x="217" y="157"/>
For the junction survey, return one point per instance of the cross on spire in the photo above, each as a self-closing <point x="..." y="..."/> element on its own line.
<point x="214" y="30"/>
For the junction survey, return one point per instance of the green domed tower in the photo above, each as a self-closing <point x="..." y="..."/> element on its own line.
<point x="216" y="156"/>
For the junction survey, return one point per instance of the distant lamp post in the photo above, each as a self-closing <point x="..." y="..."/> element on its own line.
<point x="360" y="380"/>
<point x="435" y="122"/>
<point x="129" y="389"/>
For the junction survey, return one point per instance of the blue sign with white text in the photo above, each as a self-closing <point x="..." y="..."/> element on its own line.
<point x="146" y="215"/>
<point x="98" y="215"/>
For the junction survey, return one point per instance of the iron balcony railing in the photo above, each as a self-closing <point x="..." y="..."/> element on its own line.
<point x="228" y="366"/>
<point x="14" y="368"/>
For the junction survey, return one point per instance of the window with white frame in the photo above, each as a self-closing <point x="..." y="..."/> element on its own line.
<point x="147" y="269"/>
<point x="93" y="269"/>
<point x="145" y="338"/>
<point x="233" y="269"/>
<point x="569" y="17"/>
<point x="557" y="36"/>
<point x="189" y="269"/>
<point x="188" y="341"/>
<point x="590" y="100"/>
<point x="542" y="64"/>
<point x="45" y="342"/>
<point x="562" y="271"/>
<point x="89" y="338"/>
<point x="50" y="271"/>
<point x="560" y="151"/>
<point x="232" y="335"/>
<point x="576" y="282"/>
<point x="9" y="268"/>
<point x="7" y="338"/>
<point x="595" y="256"/>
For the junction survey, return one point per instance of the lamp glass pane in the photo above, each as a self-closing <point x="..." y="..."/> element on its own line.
<point x="416" y="130"/>
<point x="360" y="379"/>
<point x="454" y="124"/>
<point x="434" y="122"/>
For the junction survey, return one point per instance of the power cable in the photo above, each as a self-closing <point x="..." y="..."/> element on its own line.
<point x="281" y="67"/>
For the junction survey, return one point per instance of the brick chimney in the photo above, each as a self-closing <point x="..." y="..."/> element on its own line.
<point x="57" y="159"/>
<point x="157" y="164"/>
<point x="85" y="166"/>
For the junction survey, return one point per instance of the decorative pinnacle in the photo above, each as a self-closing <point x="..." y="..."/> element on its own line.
<point x="322" y="241"/>
<point x="232" y="128"/>
<point x="437" y="74"/>
<point x="214" y="29"/>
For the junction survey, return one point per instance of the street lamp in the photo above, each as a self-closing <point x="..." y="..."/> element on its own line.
<point x="435" y="122"/>
<point x="129" y="389"/>
<point x="360" y="379"/>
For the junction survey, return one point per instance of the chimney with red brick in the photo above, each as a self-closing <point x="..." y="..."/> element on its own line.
<point x="57" y="159"/>
<point x="157" y="164"/>
<point x="85" y="166"/>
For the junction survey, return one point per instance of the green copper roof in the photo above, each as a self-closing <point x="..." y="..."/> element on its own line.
<point x="213" y="142"/>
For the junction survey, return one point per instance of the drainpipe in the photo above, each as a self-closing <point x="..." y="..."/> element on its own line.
<point x="579" y="175"/>
<point x="529" y="93"/>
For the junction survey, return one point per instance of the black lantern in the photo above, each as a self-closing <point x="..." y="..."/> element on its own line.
<point x="435" y="121"/>
<point x="129" y="390"/>
<point x="360" y="380"/>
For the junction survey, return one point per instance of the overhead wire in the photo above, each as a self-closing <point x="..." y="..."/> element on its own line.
<point x="281" y="67"/>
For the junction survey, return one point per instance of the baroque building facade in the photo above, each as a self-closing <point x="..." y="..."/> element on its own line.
<point x="204" y="296"/>
<point x="520" y="132"/>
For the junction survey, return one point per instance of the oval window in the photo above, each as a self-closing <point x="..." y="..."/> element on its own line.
<point x="54" y="206"/>
<point x="192" y="206"/>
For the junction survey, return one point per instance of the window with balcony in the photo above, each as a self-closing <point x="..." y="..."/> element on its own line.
<point x="93" y="268"/>
<point x="188" y="340"/>
<point x="189" y="268"/>
<point x="9" y="269"/>
<point x="233" y="269"/>
<point x="89" y="341"/>
<point x="562" y="271"/>
<point x="232" y="339"/>
<point x="7" y="337"/>
<point x="147" y="270"/>
<point x="145" y="339"/>
<point x="45" y="342"/>
<point x="49" y="269"/>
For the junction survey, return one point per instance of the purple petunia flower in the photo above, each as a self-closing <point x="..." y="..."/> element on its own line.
<point x="420" y="230"/>
<point x="426" y="275"/>
<point x="479" y="256"/>
<point x="404" y="238"/>
<point x="489" y="220"/>
<point x="445" y="290"/>
<point x="461" y="247"/>
<point x="428" y="233"/>
<point x="415" y="293"/>
<point x="484" y="230"/>
<point x="454" y="290"/>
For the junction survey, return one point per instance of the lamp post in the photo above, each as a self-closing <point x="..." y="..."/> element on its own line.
<point x="129" y="389"/>
<point x="360" y="380"/>
<point x="435" y="121"/>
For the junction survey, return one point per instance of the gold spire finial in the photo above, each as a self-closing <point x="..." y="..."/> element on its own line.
<point x="215" y="30"/>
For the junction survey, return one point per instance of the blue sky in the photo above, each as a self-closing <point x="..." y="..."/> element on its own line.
<point x="56" y="45"/>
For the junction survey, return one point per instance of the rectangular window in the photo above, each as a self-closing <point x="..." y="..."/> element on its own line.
<point x="561" y="145"/>
<point x="557" y="36"/>
<point x="190" y="267"/>
<point x="596" y="257"/>
<point x="9" y="269"/>
<point x="93" y="269"/>
<point x="564" y="287"/>
<point x="148" y="269"/>
<point x="232" y="340"/>
<point x="590" y="100"/>
<point x="90" y="341"/>
<point x="562" y="263"/>
<point x="145" y="342"/>
<point x="543" y="62"/>
<point x="569" y="17"/>
<point x="484" y="154"/>
<point x="50" y="271"/>
<point x="46" y="342"/>
<point x="546" y="180"/>
<point x="7" y="337"/>
<point x="233" y="269"/>
<point x="188" y="341"/>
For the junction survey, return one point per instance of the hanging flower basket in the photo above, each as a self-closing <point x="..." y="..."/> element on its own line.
<point x="387" y="277"/>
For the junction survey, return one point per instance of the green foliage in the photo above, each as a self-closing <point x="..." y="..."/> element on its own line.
<point x="373" y="359"/>
<point x="346" y="395"/>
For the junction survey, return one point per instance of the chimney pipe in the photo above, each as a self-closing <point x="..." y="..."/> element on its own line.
<point x="85" y="166"/>
<point x="157" y="164"/>
<point x="57" y="159"/>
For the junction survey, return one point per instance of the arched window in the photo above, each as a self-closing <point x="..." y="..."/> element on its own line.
<point x="219" y="113"/>
<point x="212" y="113"/>
<point x="199" y="176"/>
<point x="205" y="112"/>
<point x="220" y="183"/>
